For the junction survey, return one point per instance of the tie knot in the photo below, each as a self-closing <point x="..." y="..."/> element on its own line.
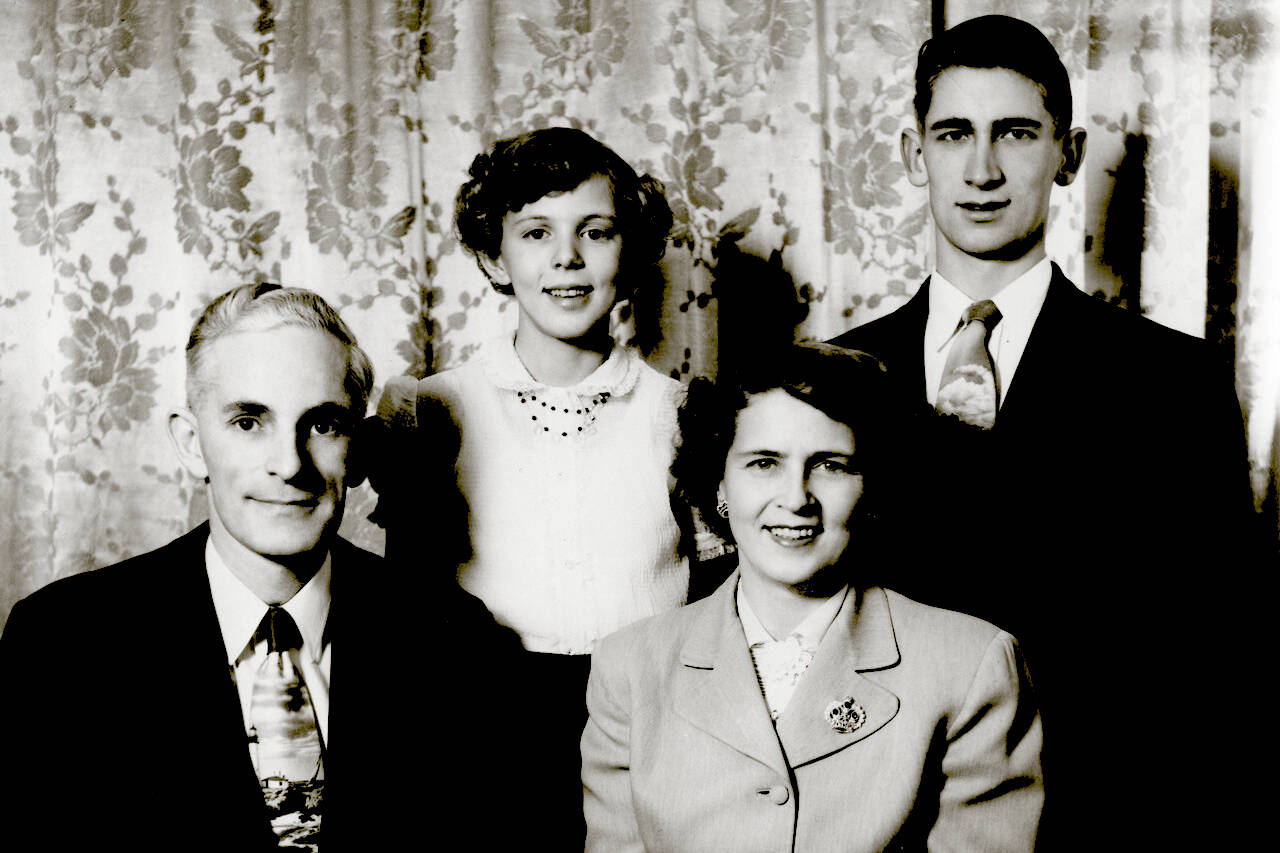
<point x="279" y="630"/>
<point x="984" y="312"/>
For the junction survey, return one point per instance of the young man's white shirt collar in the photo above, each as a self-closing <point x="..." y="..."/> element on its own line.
<point x="1019" y="302"/>
<point x="240" y="612"/>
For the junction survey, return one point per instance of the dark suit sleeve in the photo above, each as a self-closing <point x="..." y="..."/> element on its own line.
<point x="1199" y="476"/>
<point x="1224" y="459"/>
<point x="35" y="711"/>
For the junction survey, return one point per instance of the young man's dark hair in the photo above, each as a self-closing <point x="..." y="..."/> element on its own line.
<point x="996" y="41"/>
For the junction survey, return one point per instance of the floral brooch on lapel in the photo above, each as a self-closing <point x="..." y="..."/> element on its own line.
<point x="846" y="715"/>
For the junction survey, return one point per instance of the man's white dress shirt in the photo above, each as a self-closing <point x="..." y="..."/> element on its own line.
<point x="240" y="613"/>
<point x="1019" y="302"/>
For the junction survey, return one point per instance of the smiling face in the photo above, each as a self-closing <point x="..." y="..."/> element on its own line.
<point x="271" y="430"/>
<point x="791" y="485"/>
<point x="988" y="154"/>
<point x="560" y="255"/>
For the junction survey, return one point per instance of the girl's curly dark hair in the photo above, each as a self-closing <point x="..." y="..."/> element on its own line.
<point x="524" y="168"/>
<point x="848" y="386"/>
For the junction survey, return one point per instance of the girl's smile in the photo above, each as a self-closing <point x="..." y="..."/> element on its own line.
<point x="560" y="254"/>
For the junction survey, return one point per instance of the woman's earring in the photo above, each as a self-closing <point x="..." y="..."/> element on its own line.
<point x="722" y="507"/>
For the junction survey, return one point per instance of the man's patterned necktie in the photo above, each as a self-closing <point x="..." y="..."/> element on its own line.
<point x="968" y="389"/>
<point x="283" y="738"/>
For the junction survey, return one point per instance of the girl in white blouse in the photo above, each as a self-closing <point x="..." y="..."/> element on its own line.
<point x="566" y="437"/>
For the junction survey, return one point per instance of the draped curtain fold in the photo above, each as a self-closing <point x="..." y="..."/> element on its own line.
<point x="155" y="154"/>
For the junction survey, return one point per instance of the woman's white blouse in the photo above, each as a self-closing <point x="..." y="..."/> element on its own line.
<point x="571" y="527"/>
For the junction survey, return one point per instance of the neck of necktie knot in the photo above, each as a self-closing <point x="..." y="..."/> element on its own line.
<point x="279" y="630"/>
<point x="984" y="312"/>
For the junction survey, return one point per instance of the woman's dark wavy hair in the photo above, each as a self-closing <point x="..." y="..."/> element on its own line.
<point x="524" y="168"/>
<point x="848" y="386"/>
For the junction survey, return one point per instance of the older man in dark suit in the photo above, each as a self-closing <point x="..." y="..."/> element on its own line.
<point x="1066" y="455"/>
<point x="184" y="699"/>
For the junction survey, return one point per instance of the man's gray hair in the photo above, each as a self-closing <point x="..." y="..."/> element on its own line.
<point x="257" y="307"/>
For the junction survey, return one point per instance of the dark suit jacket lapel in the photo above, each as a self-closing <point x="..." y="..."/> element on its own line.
<point x="362" y="679"/>
<point x="373" y="757"/>
<point x="1046" y="369"/>
<point x="185" y="614"/>
<point x="198" y="634"/>
<point x="898" y="341"/>
<point x="860" y="639"/>
<point x="716" y="687"/>
<point x="343" y="572"/>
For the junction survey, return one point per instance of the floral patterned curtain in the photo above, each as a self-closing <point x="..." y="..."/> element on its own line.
<point x="156" y="153"/>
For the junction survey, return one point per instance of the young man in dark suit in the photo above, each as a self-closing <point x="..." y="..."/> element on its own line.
<point x="184" y="699"/>
<point x="1065" y="455"/>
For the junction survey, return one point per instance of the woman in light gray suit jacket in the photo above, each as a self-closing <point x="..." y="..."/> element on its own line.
<point x="800" y="707"/>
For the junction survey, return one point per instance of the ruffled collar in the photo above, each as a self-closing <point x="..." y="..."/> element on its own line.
<point x="615" y="377"/>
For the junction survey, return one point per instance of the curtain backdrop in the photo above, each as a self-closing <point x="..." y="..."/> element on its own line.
<point x="156" y="153"/>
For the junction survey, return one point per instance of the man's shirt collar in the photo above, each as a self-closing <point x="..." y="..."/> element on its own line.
<point x="240" y="611"/>
<point x="1019" y="302"/>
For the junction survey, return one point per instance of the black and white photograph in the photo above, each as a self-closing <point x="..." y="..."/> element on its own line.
<point x="670" y="426"/>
